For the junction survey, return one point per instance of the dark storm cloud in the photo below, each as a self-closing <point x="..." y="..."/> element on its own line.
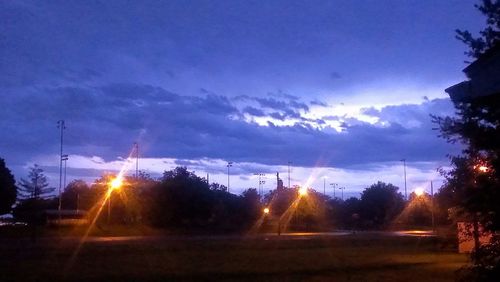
<point x="232" y="48"/>
<point x="254" y="111"/>
<point x="178" y="76"/>
<point x="106" y="120"/>
<point x="318" y="103"/>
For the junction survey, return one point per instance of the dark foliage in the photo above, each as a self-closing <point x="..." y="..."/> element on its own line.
<point x="185" y="201"/>
<point x="490" y="36"/>
<point x="77" y="195"/>
<point x="8" y="189"/>
<point x="380" y="204"/>
<point x="36" y="186"/>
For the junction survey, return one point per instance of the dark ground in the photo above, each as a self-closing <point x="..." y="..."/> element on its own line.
<point x="359" y="257"/>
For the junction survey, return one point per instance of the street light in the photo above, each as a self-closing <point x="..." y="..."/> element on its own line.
<point x="114" y="184"/>
<point x="324" y="185"/>
<point x="289" y="162"/>
<point x="65" y="159"/>
<point x="229" y="164"/>
<point x="334" y="185"/>
<point x="419" y="192"/>
<point x="404" y="169"/>
<point x="303" y="191"/>
<point x="62" y="127"/>
<point x="266" y="211"/>
<point x="342" y="188"/>
<point x="261" y="182"/>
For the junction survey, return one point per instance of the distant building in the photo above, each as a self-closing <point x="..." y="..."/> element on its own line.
<point x="484" y="78"/>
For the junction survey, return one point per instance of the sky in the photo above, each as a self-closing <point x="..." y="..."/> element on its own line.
<point x="340" y="90"/>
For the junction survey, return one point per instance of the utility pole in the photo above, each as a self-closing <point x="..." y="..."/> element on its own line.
<point x="65" y="159"/>
<point x="261" y="182"/>
<point x="136" y="146"/>
<point x="324" y="186"/>
<point x="289" y="162"/>
<point x="404" y="169"/>
<point x="342" y="188"/>
<point x="432" y="207"/>
<point x="333" y="186"/>
<point x="61" y="126"/>
<point x="229" y="164"/>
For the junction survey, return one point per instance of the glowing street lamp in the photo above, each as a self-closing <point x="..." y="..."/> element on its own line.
<point x="303" y="191"/>
<point x="419" y="192"/>
<point x="114" y="184"/>
<point x="266" y="211"/>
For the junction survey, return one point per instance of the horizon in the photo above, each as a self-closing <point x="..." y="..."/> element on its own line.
<point x="340" y="90"/>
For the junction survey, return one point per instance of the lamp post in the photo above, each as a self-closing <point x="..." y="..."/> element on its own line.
<point x="261" y="182"/>
<point x="342" y="189"/>
<point x="289" y="162"/>
<point x="324" y="185"/>
<point x="136" y="149"/>
<point x="116" y="183"/>
<point x="229" y="164"/>
<point x="432" y="207"/>
<point x="61" y="126"/>
<point x="334" y="185"/>
<point x="65" y="159"/>
<point x="404" y="169"/>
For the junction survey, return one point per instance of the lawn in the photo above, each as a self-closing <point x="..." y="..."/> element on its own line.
<point x="359" y="257"/>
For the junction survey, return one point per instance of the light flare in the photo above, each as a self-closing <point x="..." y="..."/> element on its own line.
<point x="303" y="191"/>
<point x="116" y="183"/>
<point x="419" y="191"/>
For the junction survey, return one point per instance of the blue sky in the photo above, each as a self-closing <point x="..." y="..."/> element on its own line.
<point x="342" y="89"/>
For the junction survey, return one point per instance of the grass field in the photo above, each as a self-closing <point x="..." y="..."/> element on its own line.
<point x="359" y="257"/>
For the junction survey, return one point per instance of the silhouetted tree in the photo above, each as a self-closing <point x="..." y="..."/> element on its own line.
<point x="380" y="204"/>
<point x="473" y="192"/>
<point x="36" y="186"/>
<point x="345" y="214"/>
<point x="472" y="188"/>
<point x="8" y="189"/>
<point x="490" y="36"/>
<point x="34" y="194"/>
<point x="251" y="203"/>
<point x="181" y="199"/>
<point x="77" y="195"/>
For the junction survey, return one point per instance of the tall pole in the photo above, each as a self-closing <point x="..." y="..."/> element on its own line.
<point x="109" y="206"/>
<point x="229" y="164"/>
<point x="334" y="187"/>
<point x="432" y="207"/>
<point x="261" y="182"/>
<point x="289" y="162"/>
<point x="136" y="160"/>
<point x="65" y="159"/>
<point x="61" y="126"/>
<point x="404" y="169"/>
<point x="342" y="189"/>
<point x="324" y="186"/>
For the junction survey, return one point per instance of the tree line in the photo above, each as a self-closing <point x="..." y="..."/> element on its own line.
<point x="181" y="200"/>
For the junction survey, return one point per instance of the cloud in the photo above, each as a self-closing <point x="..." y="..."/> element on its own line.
<point x="105" y="121"/>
